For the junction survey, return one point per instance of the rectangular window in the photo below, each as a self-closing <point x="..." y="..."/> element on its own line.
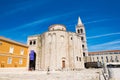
<point x="9" y="60"/>
<point x="98" y="59"/>
<point x="22" y="51"/>
<point x="102" y="59"/>
<point x="20" y="61"/>
<point x="0" y="43"/>
<point x="11" y="49"/>
<point x="93" y="59"/>
<point x="116" y="59"/>
<point x="111" y="60"/>
<point x="106" y="59"/>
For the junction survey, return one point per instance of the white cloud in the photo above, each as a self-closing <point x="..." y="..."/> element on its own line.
<point x="32" y="24"/>
<point x="23" y="7"/>
<point x="106" y="46"/>
<point x="100" y="20"/>
<point x="104" y="35"/>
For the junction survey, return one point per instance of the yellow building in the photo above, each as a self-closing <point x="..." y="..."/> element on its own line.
<point x="12" y="53"/>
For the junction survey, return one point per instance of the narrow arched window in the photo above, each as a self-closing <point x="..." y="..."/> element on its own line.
<point x="34" y="42"/>
<point x="82" y="38"/>
<point x="78" y="31"/>
<point x="83" y="53"/>
<point x="30" y="43"/>
<point x="77" y="58"/>
<point x="81" y="30"/>
<point x="83" y="46"/>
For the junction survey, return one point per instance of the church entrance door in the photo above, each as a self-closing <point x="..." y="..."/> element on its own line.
<point x="32" y="60"/>
<point x="63" y="64"/>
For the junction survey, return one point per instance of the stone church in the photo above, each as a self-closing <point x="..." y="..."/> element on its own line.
<point x="58" y="49"/>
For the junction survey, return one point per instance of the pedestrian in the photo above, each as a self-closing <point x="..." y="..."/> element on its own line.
<point x="48" y="70"/>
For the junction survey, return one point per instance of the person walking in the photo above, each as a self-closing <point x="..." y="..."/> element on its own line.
<point x="48" y="70"/>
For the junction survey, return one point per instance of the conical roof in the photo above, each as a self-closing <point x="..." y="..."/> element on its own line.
<point x="79" y="21"/>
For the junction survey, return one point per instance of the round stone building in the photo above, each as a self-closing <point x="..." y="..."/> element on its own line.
<point x="58" y="49"/>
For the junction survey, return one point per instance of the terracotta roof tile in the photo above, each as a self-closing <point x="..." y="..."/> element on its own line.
<point x="98" y="52"/>
<point x="12" y="41"/>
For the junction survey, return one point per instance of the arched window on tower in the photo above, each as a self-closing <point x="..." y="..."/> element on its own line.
<point x="30" y="43"/>
<point x="82" y="38"/>
<point x="34" y="42"/>
<point x="78" y="31"/>
<point x="81" y="30"/>
<point x="83" y="53"/>
<point x="83" y="46"/>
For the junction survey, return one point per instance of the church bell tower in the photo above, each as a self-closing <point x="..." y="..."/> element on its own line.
<point x="80" y="30"/>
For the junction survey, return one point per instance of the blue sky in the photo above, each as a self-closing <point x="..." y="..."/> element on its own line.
<point x="101" y="18"/>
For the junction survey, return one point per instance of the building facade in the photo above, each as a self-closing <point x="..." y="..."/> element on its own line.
<point x="58" y="49"/>
<point x="12" y="53"/>
<point x="110" y="56"/>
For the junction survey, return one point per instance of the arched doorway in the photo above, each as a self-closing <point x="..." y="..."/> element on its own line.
<point x="32" y="60"/>
<point x="63" y="64"/>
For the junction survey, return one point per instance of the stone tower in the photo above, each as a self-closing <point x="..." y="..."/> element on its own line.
<point x="80" y="30"/>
